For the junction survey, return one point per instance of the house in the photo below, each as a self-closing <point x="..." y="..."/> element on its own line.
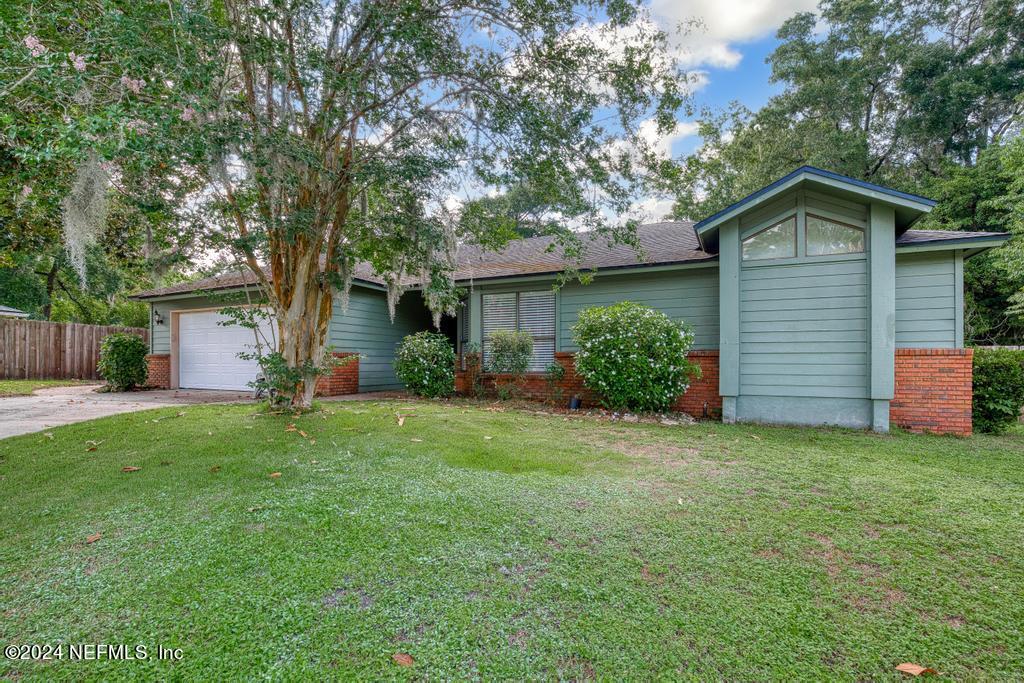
<point x="8" y="312"/>
<point x="813" y="301"/>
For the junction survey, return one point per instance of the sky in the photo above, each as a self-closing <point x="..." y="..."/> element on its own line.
<point x="725" y="42"/>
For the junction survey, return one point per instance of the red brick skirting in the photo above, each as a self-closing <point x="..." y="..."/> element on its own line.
<point x="158" y="373"/>
<point x="344" y="379"/>
<point x="700" y="400"/>
<point x="933" y="390"/>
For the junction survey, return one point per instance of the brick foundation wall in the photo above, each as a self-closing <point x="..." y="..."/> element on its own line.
<point x="344" y="379"/>
<point x="933" y="390"/>
<point x="158" y="370"/>
<point x="536" y="386"/>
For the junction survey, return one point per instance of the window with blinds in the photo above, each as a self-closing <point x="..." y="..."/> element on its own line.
<point x="532" y="312"/>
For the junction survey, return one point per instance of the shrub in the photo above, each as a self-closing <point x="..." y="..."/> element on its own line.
<point x="123" y="361"/>
<point x="425" y="362"/>
<point x="633" y="356"/>
<point x="510" y="352"/>
<point x="998" y="388"/>
<point x="278" y="383"/>
<point x="553" y="375"/>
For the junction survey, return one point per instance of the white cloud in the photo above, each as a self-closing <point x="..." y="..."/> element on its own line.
<point x="724" y="22"/>
<point x="662" y="144"/>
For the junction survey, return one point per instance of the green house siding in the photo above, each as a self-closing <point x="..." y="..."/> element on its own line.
<point x="687" y="294"/>
<point x="803" y="323"/>
<point x="927" y="314"/>
<point x="804" y="330"/>
<point x="366" y="328"/>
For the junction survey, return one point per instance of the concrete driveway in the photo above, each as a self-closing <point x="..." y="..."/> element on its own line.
<point x="64" y="405"/>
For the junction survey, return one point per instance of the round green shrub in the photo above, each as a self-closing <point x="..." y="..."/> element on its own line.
<point x="633" y="356"/>
<point x="425" y="362"/>
<point x="510" y="352"/>
<point x="998" y="389"/>
<point x="123" y="361"/>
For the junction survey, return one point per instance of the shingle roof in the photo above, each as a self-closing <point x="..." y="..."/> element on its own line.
<point x="661" y="243"/>
<point x="668" y="242"/>
<point x="924" y="236"/>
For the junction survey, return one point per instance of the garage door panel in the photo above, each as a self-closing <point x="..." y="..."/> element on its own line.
<point x="208" y="352"/>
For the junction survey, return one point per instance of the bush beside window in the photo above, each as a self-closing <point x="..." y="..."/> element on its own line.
<point x="510" y="352"/>
<point x="633" y="356"/>
<point x="123" y="361"/>
<point x="425" y="362"/>
<point x="998" y="389"/>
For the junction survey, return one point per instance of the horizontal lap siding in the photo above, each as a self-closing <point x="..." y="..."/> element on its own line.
<point x="690" y="295"/>
<point x="365" y="328"/>
<point x="804" y="330"/>
<point x="926" y="300"/>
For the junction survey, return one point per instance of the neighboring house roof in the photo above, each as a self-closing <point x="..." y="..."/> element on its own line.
<point x="9" y="312"/>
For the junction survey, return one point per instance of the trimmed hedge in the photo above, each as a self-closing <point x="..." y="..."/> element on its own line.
<point x="425" y="362"/>
<point x="123" y="361"/>
<point x="633" y="356"/>
<point x="998" y="389"/>
<point x="510" y="352"/>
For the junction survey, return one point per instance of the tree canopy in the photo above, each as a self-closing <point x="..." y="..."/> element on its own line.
<point x="306" y="136"/>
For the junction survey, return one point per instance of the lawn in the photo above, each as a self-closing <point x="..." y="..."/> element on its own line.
<point x="501" y="544"/>
<point x="24" y="387"/>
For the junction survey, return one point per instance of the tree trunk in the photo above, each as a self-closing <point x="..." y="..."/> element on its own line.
<point x="304" y="305"/>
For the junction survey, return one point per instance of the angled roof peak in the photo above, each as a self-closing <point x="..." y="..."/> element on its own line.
<point x="909" y="206"/>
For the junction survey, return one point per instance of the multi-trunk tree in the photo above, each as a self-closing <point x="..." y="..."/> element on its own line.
<point x="317" y="134"/>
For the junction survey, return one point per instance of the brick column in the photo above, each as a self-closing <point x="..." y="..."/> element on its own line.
<point x="344" y="379"/>
<point x="158" y="370"/>
<point x="702" y="398"/>
<point x="934" y="390"/>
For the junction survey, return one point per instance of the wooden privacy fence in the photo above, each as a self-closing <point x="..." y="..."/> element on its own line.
<point x="36" y="349"/>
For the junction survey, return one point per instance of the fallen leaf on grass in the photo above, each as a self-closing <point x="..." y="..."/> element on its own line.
<point x="48" y="435"/>
<point x="275" y="475"/>
<point x="93" y="538"/>
<point x="303" y="434"/>
<point x="93" y="445"/>
<point x="416" y="440"/>
<point x="130" y="468"/>
<point x="403" y="659"/>
<point x="488" y="438"/>
<point x="915" y="669"/>
<point x="291" y="428"/>
<point x="215" y="469"/>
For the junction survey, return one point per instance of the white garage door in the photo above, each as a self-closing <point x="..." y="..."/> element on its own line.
<point x="208" y="352"/>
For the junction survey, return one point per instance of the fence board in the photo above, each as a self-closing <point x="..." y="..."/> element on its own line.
<point x="36" y="349"/>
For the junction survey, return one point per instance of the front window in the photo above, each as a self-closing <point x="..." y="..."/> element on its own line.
<point x="775" y="241"/>
<point x="532" y="312"/>
<point x="825" y="237"/>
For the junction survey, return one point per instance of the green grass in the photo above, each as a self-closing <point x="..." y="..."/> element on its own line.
<point x="24" y="387"/>
<point x="555" y="549"/>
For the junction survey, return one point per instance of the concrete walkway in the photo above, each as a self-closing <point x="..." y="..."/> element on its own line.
<point x="48" y="408"/>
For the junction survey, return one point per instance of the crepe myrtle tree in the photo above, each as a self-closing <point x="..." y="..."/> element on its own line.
<point x="327" y="135"/>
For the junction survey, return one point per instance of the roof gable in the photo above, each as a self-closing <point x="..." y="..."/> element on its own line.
<point x="908" y="206"/>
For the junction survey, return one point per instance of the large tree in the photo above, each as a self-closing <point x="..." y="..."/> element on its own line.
<point x="327" y="132"/>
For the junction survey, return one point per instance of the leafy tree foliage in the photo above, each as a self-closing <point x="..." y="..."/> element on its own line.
<point x="910" y="95"/>
<point x="308" y="136"/>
